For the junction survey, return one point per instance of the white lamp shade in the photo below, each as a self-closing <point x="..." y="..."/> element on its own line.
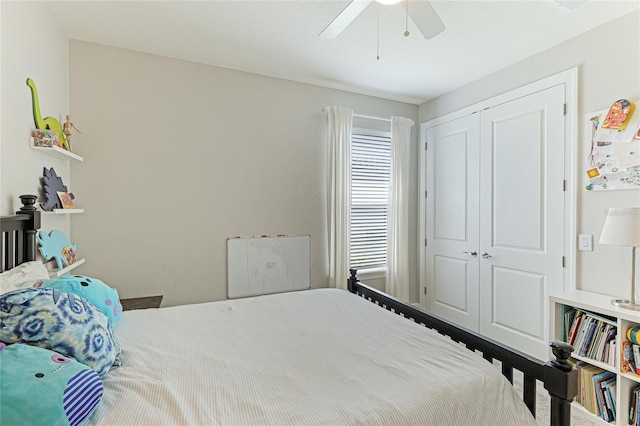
<point x="622" y="227"/>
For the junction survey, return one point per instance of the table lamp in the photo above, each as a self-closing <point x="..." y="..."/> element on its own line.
<point x="622" y="228"/>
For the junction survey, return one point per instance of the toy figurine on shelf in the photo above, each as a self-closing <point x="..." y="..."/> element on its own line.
<point x="48" y="123"/>
<point x="68" y="125"/>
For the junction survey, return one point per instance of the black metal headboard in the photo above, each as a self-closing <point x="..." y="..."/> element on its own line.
<point x="18" y="243"/>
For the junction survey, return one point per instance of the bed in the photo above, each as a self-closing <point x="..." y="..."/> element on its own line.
<point x="321" y="356"/>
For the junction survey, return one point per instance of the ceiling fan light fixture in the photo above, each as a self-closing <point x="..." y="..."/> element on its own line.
<point x="388" y="2"/>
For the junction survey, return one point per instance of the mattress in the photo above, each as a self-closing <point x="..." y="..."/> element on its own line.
<point x="320" y="356"/>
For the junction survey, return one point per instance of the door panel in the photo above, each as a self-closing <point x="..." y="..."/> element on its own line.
<point x="521" y="217"/>
<point x="451" y="222"/>
<point x="452" y="284"/>
<point x="518" y="179"/>
<point x="450" y="178"/>
<point x="511" y="285"/>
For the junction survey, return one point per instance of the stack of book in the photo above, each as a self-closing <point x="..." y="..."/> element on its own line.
<point x="591" y="335"/>
<point x="634" y="407"/>
<point x="597" y="391"/>
<point x="630" y="358"/>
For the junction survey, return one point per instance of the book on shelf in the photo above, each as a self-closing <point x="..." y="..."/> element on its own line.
<point x="592" y="336"/>
<point x="628" y="364"/>
<point x="594" y="384"/>
<point x="568" y="323"/>
<point x="610" y="395"/>
<point x="633" y="407"/>
<point x="585" y="325"/>
<point x="599" y="386"/>
<point x="574" y="328"/>
<point x="609" y="346"/>
<point x="599" y="331"/>
<point x="636" y="358"/>
<point x="588" y="336"/>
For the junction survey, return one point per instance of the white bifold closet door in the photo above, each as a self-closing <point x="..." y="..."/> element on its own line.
<point x="495" y="218"/>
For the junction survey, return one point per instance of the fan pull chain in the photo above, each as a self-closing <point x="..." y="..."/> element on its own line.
<point x="406" y="21"/>
<point x="378" y="40"/>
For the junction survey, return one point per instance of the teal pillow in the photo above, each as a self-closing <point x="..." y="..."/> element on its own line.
<point x="40" y="386"/>
<point x="95" y="291"/>
<point x="60" y="321"/>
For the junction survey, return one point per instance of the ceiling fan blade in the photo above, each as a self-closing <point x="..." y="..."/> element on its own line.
<point x="344" y="18"/>
<point x="425" y="17"/>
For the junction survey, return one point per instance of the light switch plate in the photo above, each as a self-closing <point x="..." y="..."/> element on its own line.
<point x="585" y="242"/>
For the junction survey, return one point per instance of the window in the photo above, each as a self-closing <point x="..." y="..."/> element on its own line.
<point x="370" y="171"/>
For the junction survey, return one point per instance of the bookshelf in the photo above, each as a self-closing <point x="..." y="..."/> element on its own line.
<point x="589" y="355"/>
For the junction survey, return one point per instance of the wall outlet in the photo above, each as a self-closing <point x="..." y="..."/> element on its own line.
<point x="585" y="242"/>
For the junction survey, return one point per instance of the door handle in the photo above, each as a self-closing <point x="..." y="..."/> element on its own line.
<point x="486" y="255"/>
<point x="471" y="253"/>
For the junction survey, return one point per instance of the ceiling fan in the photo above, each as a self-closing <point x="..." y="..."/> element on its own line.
<point x="421" y="12"/>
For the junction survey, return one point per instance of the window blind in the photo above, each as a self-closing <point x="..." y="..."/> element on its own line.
<point x="370" y="172"/>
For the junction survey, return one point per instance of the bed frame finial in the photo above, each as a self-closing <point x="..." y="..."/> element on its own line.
<point x="28" y="203"/>
<point x="353" y="279"/>
<point x="561" y="380"/>
<point x="28" y="208"/>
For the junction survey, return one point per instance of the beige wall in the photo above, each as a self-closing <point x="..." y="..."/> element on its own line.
<point x="604" y="77"/>
<point x="32" y="46"/>
<point x="179" y="156"/>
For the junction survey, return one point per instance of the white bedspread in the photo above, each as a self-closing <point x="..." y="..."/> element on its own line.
<point x="312" y="357"/>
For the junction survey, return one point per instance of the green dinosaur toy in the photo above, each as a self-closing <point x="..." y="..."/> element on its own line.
<point x="46" y="123"/>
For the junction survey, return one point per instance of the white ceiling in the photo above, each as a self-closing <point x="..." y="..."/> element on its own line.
<point x="280" y="38"/>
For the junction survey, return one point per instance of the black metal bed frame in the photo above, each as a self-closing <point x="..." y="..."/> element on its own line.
<point x="559" y="376"/>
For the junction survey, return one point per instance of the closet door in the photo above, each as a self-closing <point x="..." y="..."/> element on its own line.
<point x="452" y="220"/>
<point x="521" y="218"/>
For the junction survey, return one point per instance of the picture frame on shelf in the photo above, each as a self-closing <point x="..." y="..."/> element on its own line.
<point x="69" y="255"/>
<point x="66" y="200"/>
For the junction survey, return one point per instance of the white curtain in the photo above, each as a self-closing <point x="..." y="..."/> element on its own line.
<point x="339" y="193"/>
<point x="397" y="283"/>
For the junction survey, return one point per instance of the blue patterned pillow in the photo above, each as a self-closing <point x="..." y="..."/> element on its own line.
<point x="59" y="321"/>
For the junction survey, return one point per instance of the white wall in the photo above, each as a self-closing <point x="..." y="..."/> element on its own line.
<point x="32" y="46"/>
<point x="604" y="76"/>
<point x="179" y="156"/>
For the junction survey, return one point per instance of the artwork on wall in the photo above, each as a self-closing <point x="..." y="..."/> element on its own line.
<point x="613" y="160"/>
<point x="52" y="186"/>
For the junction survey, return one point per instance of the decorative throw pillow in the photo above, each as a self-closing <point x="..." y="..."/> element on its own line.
<point x="95" y="291"/>
<point x="41" y="386"/>
<point x="25" y="275"/>
<point x="60" y="321"/>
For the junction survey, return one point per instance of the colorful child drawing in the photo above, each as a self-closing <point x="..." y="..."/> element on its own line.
<point x="618" y="115"/>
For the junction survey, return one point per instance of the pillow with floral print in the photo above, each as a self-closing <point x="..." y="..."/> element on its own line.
<point x="59" y="321"/>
